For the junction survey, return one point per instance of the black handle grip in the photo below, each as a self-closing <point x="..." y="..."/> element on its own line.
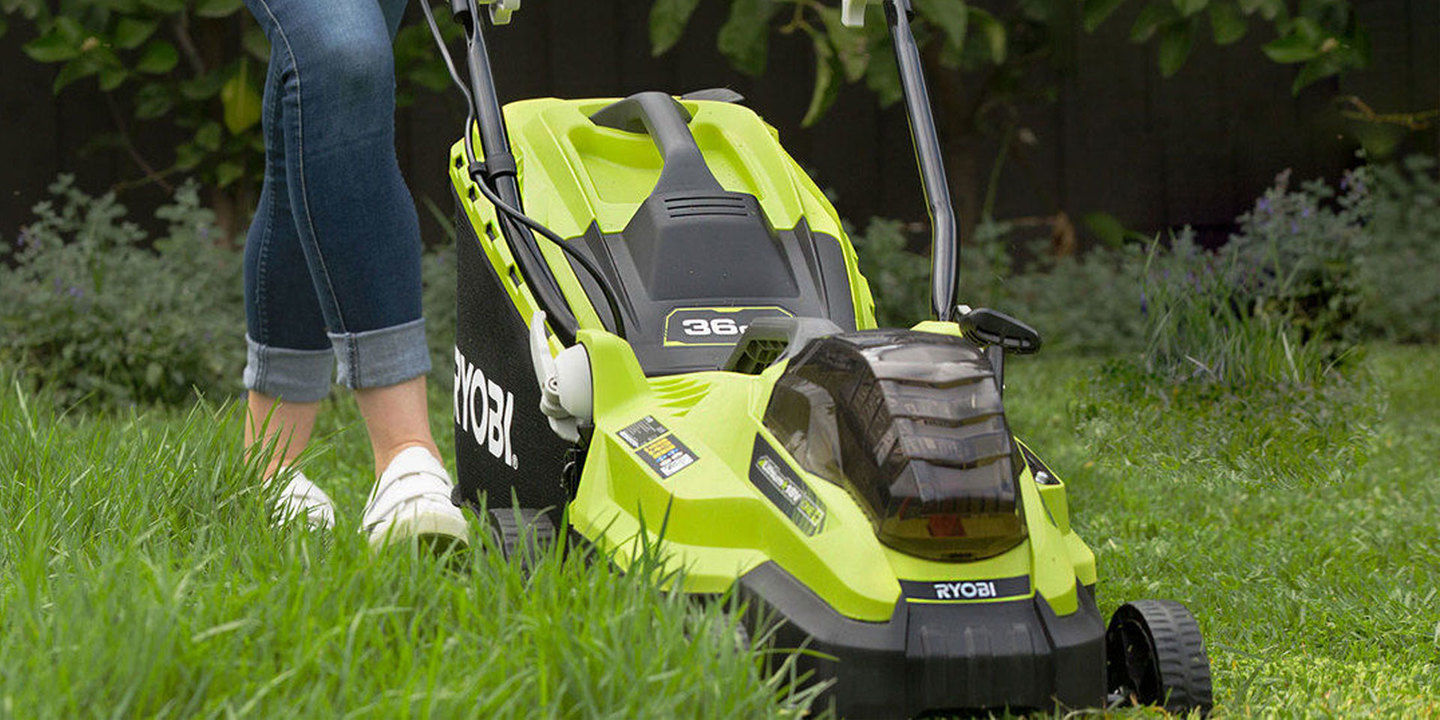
<point x="667" y="122"/>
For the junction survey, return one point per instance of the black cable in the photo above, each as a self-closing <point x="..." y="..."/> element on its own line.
<point x="570" y="252"/>
<point x="515" y="214"/>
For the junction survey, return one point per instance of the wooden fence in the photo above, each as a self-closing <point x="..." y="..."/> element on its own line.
<point x="1194" y="149"/>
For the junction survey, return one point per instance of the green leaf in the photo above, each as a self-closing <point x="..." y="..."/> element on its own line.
<point x="217" y="8"/>
<point x="1095" y="12"/>
<point x="1227" y="24"/>
<point x="255" y="43"/>
<point x="1042" y="11"/>
<point x="204" y="86"/>
<point x="951" y="16"/>
<point x="77" y="69"/>
<point x="1106" y="227"/>
<point x="1268" y="9"/>
<point x="240" y="99"/>
<point x="167" y="7"/>
<point x="112" y="77"/>
<point x="852" y="47"/>
<point x="668" y="19"/>
<point x="827" y="86"/>
<point x="130" y="33"/>
<point x="158" y="57"/>
<point x="1313" y="72"/>
<point x="208" y="136"/>
<point x="1150" y="19"/>
<point x="152" y="101"/>
<point x="745" y="37"/>
<point x="882" y="76"/>
<point x="188" y="156"/>
<point x="1176" y="41"/>
<point x="1291" y="48"/>
<point x="53" y="46"/>
<point x="4" y="26"/>
<point x="226" y="173"/>
<point x="1189" y="7"/>
<point x="996" y="39"/>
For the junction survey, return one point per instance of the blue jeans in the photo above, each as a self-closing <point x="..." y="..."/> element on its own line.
<point x="332" y="261"/>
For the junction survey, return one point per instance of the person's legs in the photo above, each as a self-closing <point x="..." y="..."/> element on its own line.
<point x="397" y="420"/>
<point x="355" y="218"/>
<point x="357" y="228"/>
<point x="290" y="360"/>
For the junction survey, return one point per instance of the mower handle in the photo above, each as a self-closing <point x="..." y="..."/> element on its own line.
<point x="944" y="234"/>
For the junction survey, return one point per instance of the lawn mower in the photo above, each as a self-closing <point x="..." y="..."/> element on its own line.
<point x="664" y="339"/>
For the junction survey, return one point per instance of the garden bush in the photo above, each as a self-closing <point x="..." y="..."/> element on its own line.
<point x="98" y="312"/>
<point x="1202" y="322"/>
<point x="1088" y="303"/>
<point x="1312" y="271"/>
<point x="1398" y="259"/>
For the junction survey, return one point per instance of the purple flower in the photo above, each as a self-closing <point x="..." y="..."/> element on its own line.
<point x="1263" y="205"/>
<point x="75" y="292"/>
<point x="1144" y="304"/>
<point x="1305" y="213"/>
<point x="1294" y="226"/>
<point x="23" y="238"/>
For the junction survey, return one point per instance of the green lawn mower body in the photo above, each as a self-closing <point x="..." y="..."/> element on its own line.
<point x="695" y="365"/>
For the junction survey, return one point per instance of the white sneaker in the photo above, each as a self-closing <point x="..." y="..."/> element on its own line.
<point x="412" y="500"/>
<point x="301" y="498"/>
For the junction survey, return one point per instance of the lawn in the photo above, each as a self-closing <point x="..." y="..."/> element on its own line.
<point x="138" y="576"/>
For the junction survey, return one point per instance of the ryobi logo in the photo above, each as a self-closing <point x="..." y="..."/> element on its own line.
<point x="964" y="590"/>
<point x="484" y="409"/>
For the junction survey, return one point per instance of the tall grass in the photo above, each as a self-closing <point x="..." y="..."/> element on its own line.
<point x="140" y="577"/>
<point x="1204" y="321"/>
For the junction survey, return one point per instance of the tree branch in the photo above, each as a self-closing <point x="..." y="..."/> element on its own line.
<point x="187" y="44"/>
<point x="151" y="175"/>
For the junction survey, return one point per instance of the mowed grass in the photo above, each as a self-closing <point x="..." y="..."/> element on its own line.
<point x="139" y="576"/>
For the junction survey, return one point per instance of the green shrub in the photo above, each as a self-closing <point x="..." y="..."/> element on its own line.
<point x="1296" y="254"/>
<point x="899" y="279"/>
<point x="1398" y="258"/>
<point x="1086" y="303"/>
<point x="1089" y="303"/>
<point x="96" y="311"/>
<point x="1201" y="324"/>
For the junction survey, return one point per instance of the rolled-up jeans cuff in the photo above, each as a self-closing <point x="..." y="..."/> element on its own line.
<point x="377" y="358"/>
<point x="293" y="375"/>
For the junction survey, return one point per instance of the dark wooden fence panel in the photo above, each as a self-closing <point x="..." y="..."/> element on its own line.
<point x="1193" y="149"/>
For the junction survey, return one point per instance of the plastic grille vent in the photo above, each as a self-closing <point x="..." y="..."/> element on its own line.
<point x="679" y="393"/>
<point x="688" y="206"/>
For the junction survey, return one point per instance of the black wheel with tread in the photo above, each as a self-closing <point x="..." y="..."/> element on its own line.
<point x="522" y="533"/>
<point x="1154" y="653"/>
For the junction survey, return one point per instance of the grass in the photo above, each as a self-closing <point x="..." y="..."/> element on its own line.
<point x="139" y="577"/>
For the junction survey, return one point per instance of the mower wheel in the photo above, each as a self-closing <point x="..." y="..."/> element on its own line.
<point x="1154" y="654"/>
<point x="522" y="534"/>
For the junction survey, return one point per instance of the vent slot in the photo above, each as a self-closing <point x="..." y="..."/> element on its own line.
<point x="686" y="206"/>
<point x="679" y="394"/>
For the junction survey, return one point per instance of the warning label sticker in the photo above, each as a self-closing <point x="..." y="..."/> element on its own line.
<point x="658" y="447"/>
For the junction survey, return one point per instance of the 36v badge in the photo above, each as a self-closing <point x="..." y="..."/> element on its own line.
<point x="705" y="326"/>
